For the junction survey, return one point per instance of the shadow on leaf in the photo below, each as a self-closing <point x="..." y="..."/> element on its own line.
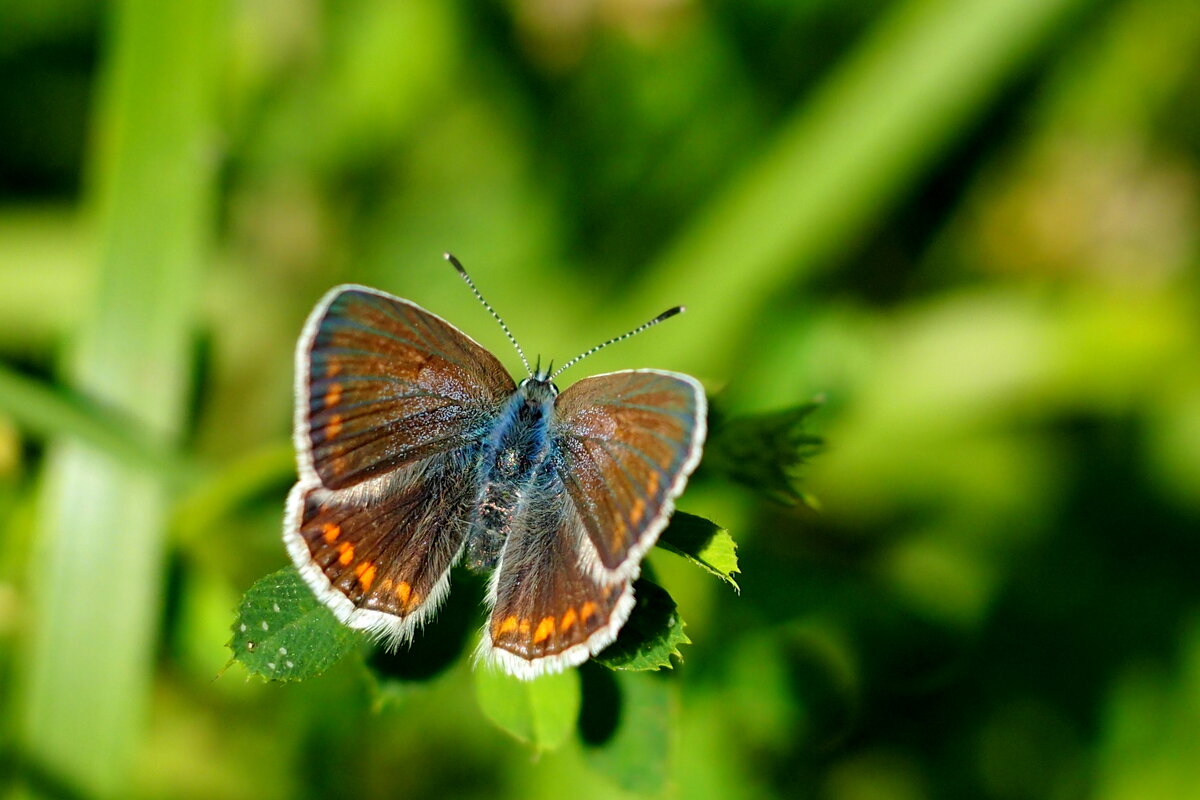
<point x="652" y="634"/>
<point x="600" y="714"/>
<point x="438" y="644"/>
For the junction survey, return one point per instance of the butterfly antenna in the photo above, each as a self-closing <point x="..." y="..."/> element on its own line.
<point x="670" y="312"/>
<point x="461" y="271"/>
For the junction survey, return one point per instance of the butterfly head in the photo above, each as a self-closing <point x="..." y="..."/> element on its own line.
<point x="538" y="388"/>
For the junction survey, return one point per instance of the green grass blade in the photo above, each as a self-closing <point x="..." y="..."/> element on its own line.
<point x="45" y="411"/>
<point x="226" y="489"/>
<point x="96" y="574"/>
<point x="875" y="125"/>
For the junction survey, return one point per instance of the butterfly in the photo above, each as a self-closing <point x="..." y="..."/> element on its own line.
<point x="418" y="451"/>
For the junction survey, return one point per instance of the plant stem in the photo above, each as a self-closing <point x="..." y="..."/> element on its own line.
<point x="96" y="574"/>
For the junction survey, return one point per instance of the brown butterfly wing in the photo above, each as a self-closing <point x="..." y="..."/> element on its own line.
<point x="391" y="402"/>
<point x="382" y="383"/>
<point x="549" y="611"/>
<point x="379" y="555"/>
<point x="628" y="442"/>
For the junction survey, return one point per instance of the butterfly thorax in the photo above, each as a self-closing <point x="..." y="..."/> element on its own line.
<point x="511" y="463"/>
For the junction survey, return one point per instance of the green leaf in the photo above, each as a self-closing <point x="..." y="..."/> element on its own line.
<point x="703" y="543"/>
<point x="651" y="636"/>
<point x="541" y="712"/>
<point x="764" y="451"/>
<point x="282" y="633"/>
<point x="626" y="728"/>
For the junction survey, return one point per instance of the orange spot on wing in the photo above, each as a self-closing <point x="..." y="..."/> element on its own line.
<point x="333" y="395"/>
<point x="333" y="427"/>
<point x="332" y="368"/>
<point x="403" y="591"/>
<point x="523" y="628"/>
<point x="331" y="532"/>
<point x="568" y="620"/>
<point x="587" y="611"/>
<point x="651" y="481"/>
<point x="366" y="574"/>
<point x="508" y="626"/>
<point x="635" y="514"/>
<point x="347" y="553"/>
<point x="544" y="629"/>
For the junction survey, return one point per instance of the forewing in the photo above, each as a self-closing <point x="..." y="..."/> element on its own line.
<point x="627" y="442"/>
<point x="381" y="383"/>
<point x="379" y="554"/>
<point x="548" y="611"/>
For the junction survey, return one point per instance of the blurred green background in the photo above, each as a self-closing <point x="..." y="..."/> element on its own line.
<point x="972" y="225"/>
